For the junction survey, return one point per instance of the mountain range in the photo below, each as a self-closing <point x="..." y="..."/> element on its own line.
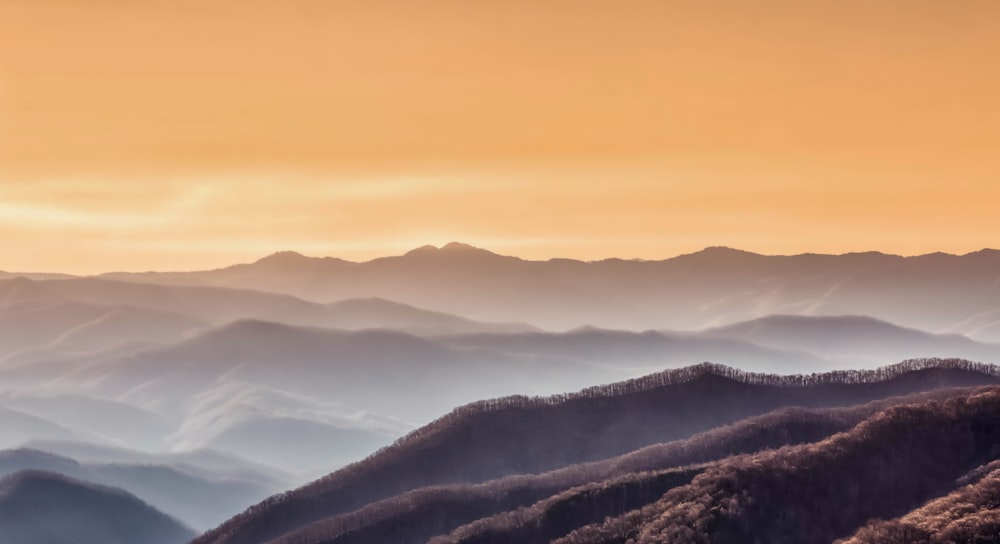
<point x="936" y="292"/>
<point x="43" y="508"/>
<point x="618" y="448"/>
<point x="200" y="393"/>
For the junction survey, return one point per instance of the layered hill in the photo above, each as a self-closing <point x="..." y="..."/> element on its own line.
<point x="853" y="341"/>
<point x="886" y="465"/>
<point x="199" y="498"/>
<point x="88" y="315"/>
<point x="45" y="508"/>
<point x="970" y="513"/>
<point x="717" y="286"/>
<point x="519" y="435"/>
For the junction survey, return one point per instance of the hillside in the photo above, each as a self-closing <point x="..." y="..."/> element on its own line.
<point x="888" y="464"/>
<point x="196" y="497"/>
<point x="536" y="508"/>
<point x="224" y="303"/>
<point x="380" y="371"/>
<point x="772" y="478"/>
<point x="857" y="339"/>
<point x="45" y="508"/>
<point x="493" y="439"/>
<point x="967" y="514"/>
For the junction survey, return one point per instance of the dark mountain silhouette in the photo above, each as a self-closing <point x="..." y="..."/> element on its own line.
<point x="521" y="435"/>
<point x="537" y="508"/>
<point x="968" y="514"/>
<point x="771" y="478"/>
<point x="45" y="508"/>
<point x="197" y="499"/>
<point x="713" y="287"/>
<point x="887" y="465"/>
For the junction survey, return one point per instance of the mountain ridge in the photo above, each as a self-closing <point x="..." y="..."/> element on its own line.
<point x="484" y="440"/>
<point x="708" y="288"/>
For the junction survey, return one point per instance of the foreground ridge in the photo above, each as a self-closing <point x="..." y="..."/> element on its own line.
<point x="491" y="439"/>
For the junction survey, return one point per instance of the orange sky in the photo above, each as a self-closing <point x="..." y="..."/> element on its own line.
<point x="174" y="134"/>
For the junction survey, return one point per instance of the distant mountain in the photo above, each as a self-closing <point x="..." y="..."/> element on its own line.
<point x="207" y="463"/>
<point x="117" y="325"/>
<point x="35" y="316"/>
<point x="19" y="427"/>
<point x="18" y="293"/>
<point x="518" y="435"/>
<point x="384" y="371"/>
<point x="199" y="500"/>
<point x="377" y="313"/>
<point x="649" y="350"/>
<point x="266" y="439"/>
<point x="199" y="305"/>
<point x="45" y="508"/>
<point x="113" y="421"/>
<point x="713" y="287"/>
<point x="857" y="339"/>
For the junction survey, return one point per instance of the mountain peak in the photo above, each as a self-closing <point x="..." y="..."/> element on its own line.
<point x="284" y="257"/>
<point x="459" y="246"/>
<point x="427" y="249"/>
<point x="719" y="252"/>
<point x="449" y="249"/>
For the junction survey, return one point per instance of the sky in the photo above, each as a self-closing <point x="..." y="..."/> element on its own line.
<point x="186" y="134"/>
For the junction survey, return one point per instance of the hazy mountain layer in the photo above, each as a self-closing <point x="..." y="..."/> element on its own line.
<point x="194" y="497"/>
<point x="717" y="286"/>
<point x="45" y="508"/>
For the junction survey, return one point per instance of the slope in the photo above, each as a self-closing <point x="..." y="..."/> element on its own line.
<point x="519" y="435"/>
<point x="45" y="508"/>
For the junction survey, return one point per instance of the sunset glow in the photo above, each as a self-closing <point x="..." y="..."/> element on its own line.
<point x="190" y="134"/>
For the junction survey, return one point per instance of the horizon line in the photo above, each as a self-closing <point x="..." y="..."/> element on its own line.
<point x="461" y="246"/>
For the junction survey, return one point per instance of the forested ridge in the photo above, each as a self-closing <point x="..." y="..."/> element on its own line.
<point x="535" y="436"/>
<point x="885" y="466"/>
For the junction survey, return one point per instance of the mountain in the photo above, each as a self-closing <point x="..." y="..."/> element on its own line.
<point x="519" y="435"/>
<point x="19" y="427"/>
<point x="713" y="287"/>
<point x="35" y="316"/>
<point x="265" y="439"/>
<point x="198" y="305"/>
<point x="537" y="508"/>
<point x="377" y="313"/>
<point x="45" y="508"/>
<point x="379" y="370"/>
<point x="853" y="340"/>
<point x="111" y="420"/>
<point x="967" y="514"/>
<point x="646" y="350"/>
<point x="197" y="499"/>
<point x="207" y="463"/>
<point x="892" y="462"/>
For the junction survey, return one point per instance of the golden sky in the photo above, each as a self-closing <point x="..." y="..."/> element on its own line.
<point x="177" y="134"/>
